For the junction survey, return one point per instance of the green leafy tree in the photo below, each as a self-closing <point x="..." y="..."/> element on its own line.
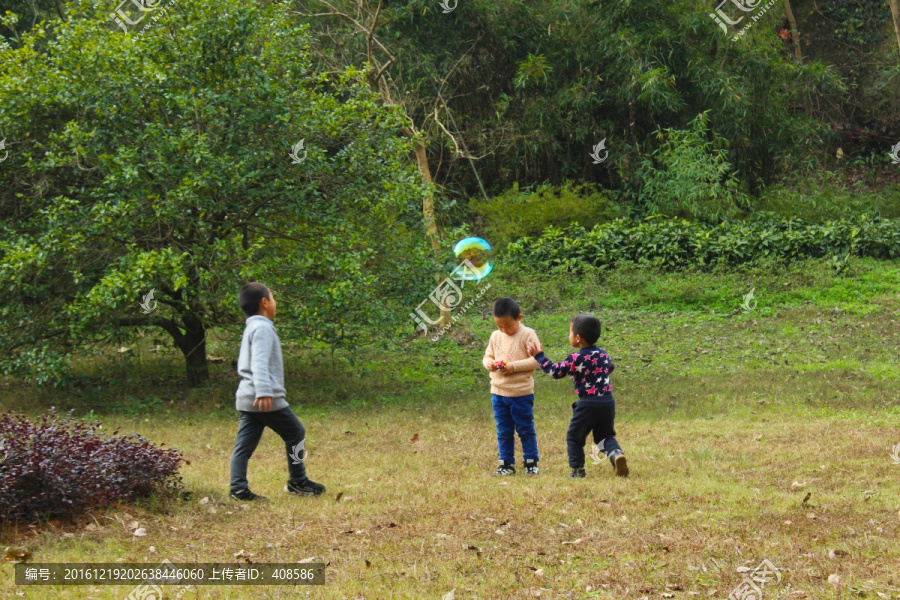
<point x="690" y="175"/>
<point x="159" y="160"/>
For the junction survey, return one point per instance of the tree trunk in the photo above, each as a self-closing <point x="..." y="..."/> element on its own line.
<point x="380" y="83"/>
<point x="194" y="349"/>
<point x="192" y="344"/>
<point x="895" y="12"/>
<point x="795" y="31"/>
<point x="428" y="214"/>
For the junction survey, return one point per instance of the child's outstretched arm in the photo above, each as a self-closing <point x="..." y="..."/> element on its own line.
<point x="525" y="364"/>
<point x="557" y="370"/>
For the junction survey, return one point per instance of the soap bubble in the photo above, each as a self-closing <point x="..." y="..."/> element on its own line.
<point x="479" y="253"/>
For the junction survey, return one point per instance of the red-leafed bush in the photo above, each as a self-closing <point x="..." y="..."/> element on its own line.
<point x="57" y="467"/>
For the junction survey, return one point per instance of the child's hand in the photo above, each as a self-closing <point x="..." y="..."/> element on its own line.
<point x="507" y="369"/>
<point x="265" y="403"/>
<point x="534" y="348"/>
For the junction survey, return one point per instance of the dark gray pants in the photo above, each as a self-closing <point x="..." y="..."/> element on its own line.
<point x="283" y="422"/>
<point x="591" y="417"/>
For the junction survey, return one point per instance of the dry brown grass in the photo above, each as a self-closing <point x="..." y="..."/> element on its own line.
<point x="418" y="519"/>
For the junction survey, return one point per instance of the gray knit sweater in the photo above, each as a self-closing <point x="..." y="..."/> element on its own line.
<point x="260" y="366"/>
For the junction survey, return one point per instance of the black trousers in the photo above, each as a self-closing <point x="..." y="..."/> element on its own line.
<point x="588" y="417"/>
<point x="250" y="429"/>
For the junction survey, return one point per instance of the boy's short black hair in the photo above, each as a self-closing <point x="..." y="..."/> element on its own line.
<point x="506" y="307"/>
<point x="587" y="327"/>
<point x="250" y="296"/>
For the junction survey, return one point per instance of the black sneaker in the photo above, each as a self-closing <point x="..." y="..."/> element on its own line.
<point x="246" y="495"/>
<point x="531" y="467"/>
<point x="504" y="469"/>
<point x="307" y="487"/>
<point x="577" y="473"/>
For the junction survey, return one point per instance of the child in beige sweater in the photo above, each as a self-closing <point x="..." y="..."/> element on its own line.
<point x="512" y="386"/>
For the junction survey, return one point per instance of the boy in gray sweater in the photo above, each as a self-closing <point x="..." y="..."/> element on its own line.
<point x="260" y="398"/>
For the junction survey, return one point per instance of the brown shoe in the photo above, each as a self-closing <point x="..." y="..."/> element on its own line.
<point x="621" y="466"/>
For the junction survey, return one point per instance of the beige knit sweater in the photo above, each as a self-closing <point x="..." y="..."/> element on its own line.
<point x="512" y="349"/>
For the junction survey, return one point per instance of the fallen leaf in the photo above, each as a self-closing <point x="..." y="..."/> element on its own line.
<point x="130" y="525"/>
<point x="578" y="541"/>
<point x="834" y="579"/>
<point x="499" y="532"/>
<point x="811" y="516"/>
<point x="806" y="499"/>
<point x="452" y="593"/>
<point x="368" y="564"/>
<point x="539" y="573"/>
<point x="833" y="554"/>
<point x="151" y="549"/>
<point x="743" y="569"/>
<point x="668" y="595"/>
<point x="140" y="532"/>
<point x="798" y="484"/>
<point x="68" y="535"/>
<point x="415" y="438"/>
<point x="338" y="497"/>
<point x="674" y="587"/>
<point x="204" y="500"/>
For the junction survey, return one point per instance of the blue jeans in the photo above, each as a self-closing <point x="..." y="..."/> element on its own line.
<point x="515" y="415"/>
<point x="250" y="429"/>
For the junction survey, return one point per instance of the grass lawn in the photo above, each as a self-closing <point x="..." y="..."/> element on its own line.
<point x="754" y="436"/>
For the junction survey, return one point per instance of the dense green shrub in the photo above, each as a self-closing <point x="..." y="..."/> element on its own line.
<point x="690" y="176"/>
<point x="675" y="243"/>
<point x="516" y="213"/>
<point x="826" y="196"/>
